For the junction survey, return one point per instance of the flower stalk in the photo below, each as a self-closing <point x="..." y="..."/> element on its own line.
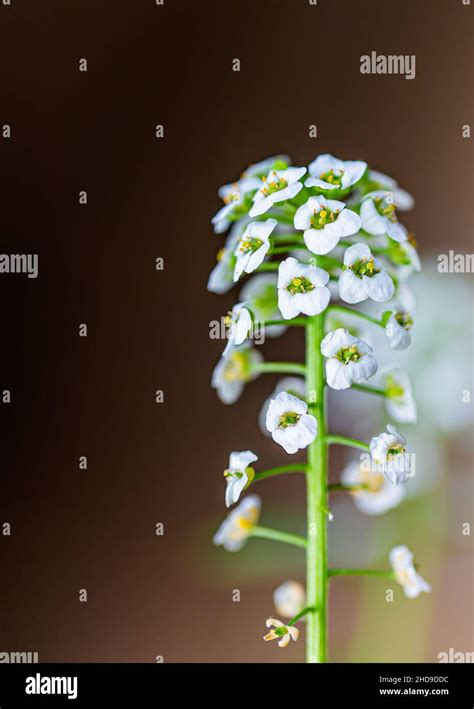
<point x="272" y="210"/>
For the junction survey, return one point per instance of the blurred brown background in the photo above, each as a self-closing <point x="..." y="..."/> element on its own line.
<point x="94" y="396"/>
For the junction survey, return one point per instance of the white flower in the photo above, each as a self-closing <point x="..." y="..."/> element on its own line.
<point x="253" y="246"/>
<point x="239" y="322"/>
<point x="233" y="371"/>
<point x="301" y="289"/>
<point x="401" y="560"/>
<point x="221" y="278"/>
<point x="349" y="360"/>
<point x="260" y="294"/>
<point x="293" y="385"/>
<point x="278" y="186"/>
<point x="276" y="162"/>
<point x="289" y="599"/>
<point x="289" y="423"/>
<point x="283" y="633"/>
<point x="233" y="196"/>
<point x="405" y="258"/>
<point x="400" y="403"/>
<point x="324" y="222"/>
<point x="402" y="198"/>
<point x="329" y="173"/>
<point x="238" y="474"/>
<point x="378" y="215"/>
<point x="364" y="277"/>
<point x="235" y="529"/>
<point x="388" y="451"/>
<point x="397" y="328"/>
<point x="378" y="496"/>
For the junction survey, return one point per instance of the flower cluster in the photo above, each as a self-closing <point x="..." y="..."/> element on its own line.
<point x="316" y="240"/>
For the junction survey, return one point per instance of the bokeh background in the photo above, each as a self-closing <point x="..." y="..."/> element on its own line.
<point x="149" y="198"/>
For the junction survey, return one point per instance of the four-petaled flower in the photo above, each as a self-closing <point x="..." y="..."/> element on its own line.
<point x="239" y="323"/>
<point x="402" y="198"/>
<point x="388" y="451"/>
<point x="378" y="215"/>
<point x="237" y="526"/>
<point x="329" y="174"/>
<point x="238" y="474"/>
<point x="399" y="402"/>
<point x="364" y="277"/>
<point x="401" y="560"/>
<point x="376" y="494"/>
<point x="349" y="360"/>
<point x="281" y="632"/>
<point x="324" y="222"/>
<point x="301" y="289"/>
<point x="253" y="246"/>
<point x="233" y="371"/>
<point x="233" y="196"/>
<point x="277" y="186"/>
<point x="397" y="328"/>
<point x="289" y="423"/>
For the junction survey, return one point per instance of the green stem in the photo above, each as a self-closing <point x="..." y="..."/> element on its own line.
<point x="280" y="470"/>
<point x="333" y="487"/>
<point x="316" y="552"/>
<point x="344" y="441"/>
<point x="369" y="389"/>
<point x="291" y="323"/>
<point x="356" y="313"/>
<point x="279" y="368"/>
<point x="285" y="248"/>
<point x="301" y="614"/>
<point x="362" y="572"/>
<point x="268" y="266"/>
<point x="277" y="536"/>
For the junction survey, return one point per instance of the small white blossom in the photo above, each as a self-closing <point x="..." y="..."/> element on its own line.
<point x="289" y="423"/>
<point x="378" y="494"/>
<point x="397" y="328"/>
<point x="233" y="196"/>
<point x="324" y="222"/>
<point x="233" y="371"/>
<point x="238" y="474"/>
<point x="329" y="173"/>
<point x="349" y="360"/>
<point x="221" y="278"/>
<point x="237" y="526"/>
<point x="278" y="186"/>
<point x="253" y="246"/>
<point x="239" y="322"/>
<point x="261" y="295"/>
<point x="388" y="451"/>
<point x="364" y="277"/>
<point x="283" y="633"/>
<point x="401" y="560"/>
<point x="402" y="198"/>
<point x="378" y="216"/>
<point x="405" y="259"/>
<point x="289" y="599"/>
<point x="293" y="385"/>
<point x="301" y="289"/>
<point x="400" y="402"/>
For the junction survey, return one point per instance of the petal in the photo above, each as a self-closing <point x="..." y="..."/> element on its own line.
<point x="357" y="252"/>
<point x="372" y="221"/>
<point x="351" y="288"/>
<point x="321" y="241"/>
<point x="397" y="231"/>
<point x="288" y="304"/>
<point x="379" y="287"/>
<point x="338" y="375"/>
